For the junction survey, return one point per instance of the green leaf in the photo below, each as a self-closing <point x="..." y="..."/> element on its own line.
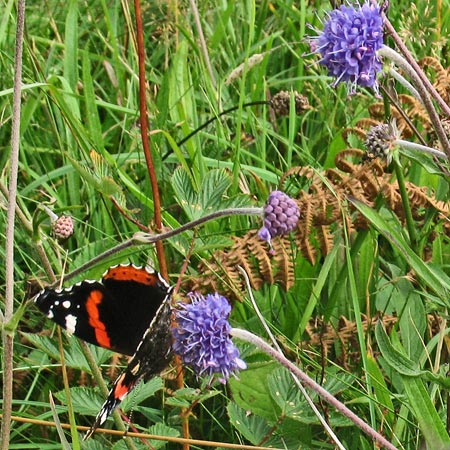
<point x="92" y="118"/>
<point x="213" y="188"/>
<point x="438" y="282"/>
<point x="381" y="391"/>
<point x="251" y="392"/>
<point x="287" y="396"/>
<point x="72" y="354"/>
<point x="253" y="427"/>
<point x="161" y="430"/>
<point x="287" y="434"/>
<point x="184" y="190"/>
<point x="62" y="437"/>
<point x="430" y="424"/>
<point x="400" y="363"/>
<point x="88" y="401"/>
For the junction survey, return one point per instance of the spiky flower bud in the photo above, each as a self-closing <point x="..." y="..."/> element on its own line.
<point x="280" y="103"/>
<point x="380" y="142"/>
<point x="63" y="227"/>
<point x="281" y="215"/>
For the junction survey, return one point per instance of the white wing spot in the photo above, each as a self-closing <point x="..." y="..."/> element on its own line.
<point x="50" y="314"/>
<point x="66" y="304"/>
<point x="71" y="323"/>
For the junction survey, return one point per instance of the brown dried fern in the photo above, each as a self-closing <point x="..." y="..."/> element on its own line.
<point x="322" y="211"/>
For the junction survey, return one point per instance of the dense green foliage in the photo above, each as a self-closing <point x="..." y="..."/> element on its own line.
<point x="81" y="155"/>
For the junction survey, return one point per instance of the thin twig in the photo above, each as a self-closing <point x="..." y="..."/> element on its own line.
<point x="8" y="337"/>
<point x="156" y="437"/>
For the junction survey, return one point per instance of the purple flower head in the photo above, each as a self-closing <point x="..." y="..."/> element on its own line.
<point x="201" y="336"/>
<point x="281" y="215"/>
<point x="348" y="44"/>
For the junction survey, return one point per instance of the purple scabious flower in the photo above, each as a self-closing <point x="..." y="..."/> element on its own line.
<point x="348" y="44"/>
<point x="201" y="336"/>
<point x="281" y="215"/>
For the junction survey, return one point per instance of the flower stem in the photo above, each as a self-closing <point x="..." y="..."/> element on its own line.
<point x="418" y="70"/>
<point x="406" y="205"/>
<point x="296" y="380"/>
<point x="7" y="316"/>
<point x="266" y="348"/>
<point x="405" y="83"/>
<point x="398" y="59"/>
<point x="420" y="148"/>
<point x="150" y="238"/>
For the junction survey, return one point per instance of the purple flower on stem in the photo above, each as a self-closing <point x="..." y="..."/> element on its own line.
<point x="348" y="44"/>
<point x="281" y="215"/>
<point x="202" y="336"/>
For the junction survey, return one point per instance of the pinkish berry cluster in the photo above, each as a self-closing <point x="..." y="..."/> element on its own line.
<point x="281" y="215"/>
<point x="63" y="227"/>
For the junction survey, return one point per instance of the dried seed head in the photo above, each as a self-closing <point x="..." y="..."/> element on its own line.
<point x="280" y="103"/>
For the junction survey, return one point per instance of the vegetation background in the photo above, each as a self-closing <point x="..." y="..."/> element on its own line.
<point x="354" y="300"/>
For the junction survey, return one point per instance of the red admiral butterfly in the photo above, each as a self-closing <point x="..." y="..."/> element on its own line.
<point x="128" y="311"/>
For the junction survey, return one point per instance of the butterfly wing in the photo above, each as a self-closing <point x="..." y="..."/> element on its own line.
<point x="113" y="313"/>
<point x="152" y="356"/>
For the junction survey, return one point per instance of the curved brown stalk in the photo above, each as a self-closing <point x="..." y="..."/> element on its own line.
<point x="151" y="170"/>
<point x="143" y="120"/>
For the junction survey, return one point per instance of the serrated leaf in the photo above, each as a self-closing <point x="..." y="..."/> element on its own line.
<point x="286" y="394"/>
<point x="292" y="403"/>
<point x="85" y="401"/>
<point x="251" y="426"/>
<point x="161" y="429"/>
<point x="184" y="190"/>
<point x="88" y="401"/>
<point x="213" y="188"/>
<point x="286" y="435"/>
<point x="141" y="392"/>
<point x="73" y="356"/>
<point x="251" y="392"/>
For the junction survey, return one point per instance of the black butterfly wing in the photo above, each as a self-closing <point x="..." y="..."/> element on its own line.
<point x="113" y="313"/>
<point x="153" y="354"/>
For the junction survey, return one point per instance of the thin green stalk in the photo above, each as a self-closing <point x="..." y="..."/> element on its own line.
<point x="359" y="325"/>
<point x="410" y="225"/>
<point x="8" y="337"/>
